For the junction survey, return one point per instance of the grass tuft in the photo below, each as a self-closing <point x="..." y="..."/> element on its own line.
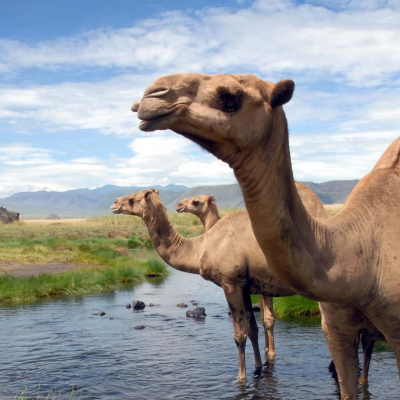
<point x="292" y="306"/>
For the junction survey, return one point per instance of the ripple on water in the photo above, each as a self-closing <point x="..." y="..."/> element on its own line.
<point x="60" y="345"/>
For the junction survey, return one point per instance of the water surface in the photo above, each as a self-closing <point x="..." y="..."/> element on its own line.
<point x="59" y="344"/>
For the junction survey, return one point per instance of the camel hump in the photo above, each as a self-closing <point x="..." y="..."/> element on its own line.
<point x="391" y="157"/>
<point x="311" y="202"/>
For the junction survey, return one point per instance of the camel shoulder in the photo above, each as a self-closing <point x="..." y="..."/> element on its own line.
<point x="390" y="158"/>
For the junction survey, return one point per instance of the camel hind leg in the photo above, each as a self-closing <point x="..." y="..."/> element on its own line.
<point x="268" y="320"/>
<point x="244" y="324"/>
<point x="252" y="330"/>
<point x="368" y="347"/>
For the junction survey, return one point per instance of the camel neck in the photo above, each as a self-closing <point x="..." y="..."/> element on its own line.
<point x="179" y="252"/>
<point x="210" y="217"/>
<point x="289" y="237"/>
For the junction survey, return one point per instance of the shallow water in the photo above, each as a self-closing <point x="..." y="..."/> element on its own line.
<point x="60" y="345"/>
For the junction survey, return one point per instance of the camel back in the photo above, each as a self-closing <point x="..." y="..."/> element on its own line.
<point x="391" y="157"/>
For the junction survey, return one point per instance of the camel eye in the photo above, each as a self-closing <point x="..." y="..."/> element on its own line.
<point x="230" y="102"/>
<point x="131" y="201"/>
<point x="195" y="203"/>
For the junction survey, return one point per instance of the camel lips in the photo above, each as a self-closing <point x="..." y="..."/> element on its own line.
<point x="140" y="123"/>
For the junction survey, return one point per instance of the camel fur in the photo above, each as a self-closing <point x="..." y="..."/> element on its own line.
<point x="351" y="262"/>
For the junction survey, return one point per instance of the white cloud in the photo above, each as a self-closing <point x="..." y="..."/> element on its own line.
<point x="358" y="43"/>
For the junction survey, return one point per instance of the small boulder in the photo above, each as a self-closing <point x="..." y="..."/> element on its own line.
<point x="140" y="327"/>
<point x="198" y="312"/>
<point x="151" y="305"/>
<point x="101" y="313"/>
<point x="181" y="305"/>
<point x="256" y="307"/>
<point x="118" y="234"/>
<point x="138" y="305"/>
<point x="111" y="318"/>
<point x="128" y="305"/>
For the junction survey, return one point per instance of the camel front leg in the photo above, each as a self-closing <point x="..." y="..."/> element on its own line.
<point x="340" y="331"/>
<point x="241" y="323"/>
<point x="268" y="320"/>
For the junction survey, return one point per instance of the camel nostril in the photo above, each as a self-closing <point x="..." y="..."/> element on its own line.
<point x="157" y="92"/>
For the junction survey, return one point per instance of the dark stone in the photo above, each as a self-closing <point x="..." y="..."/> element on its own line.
<point x="194" y="303"/>
<point x="181" y="305"/>
<point x="138" y="305"/>
<point x="151" y="305"/>
<point x="256" y="307"/>
<point x="140" y="327"/>
<point x="111" y="318"/>
<point x="101" y="313"/>
<point x="128" y="305"/>
<point x="199" y="312"/>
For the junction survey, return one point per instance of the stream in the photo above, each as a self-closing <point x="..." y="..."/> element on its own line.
<point x="61" y="345"/>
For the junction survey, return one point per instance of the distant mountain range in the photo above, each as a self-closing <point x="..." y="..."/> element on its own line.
<point x="95" y="202"/>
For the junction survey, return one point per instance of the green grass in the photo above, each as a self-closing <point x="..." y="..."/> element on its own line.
<point x="117" y="267"/>
<point x="292" y="306"/>
<point x="14" y="290"/>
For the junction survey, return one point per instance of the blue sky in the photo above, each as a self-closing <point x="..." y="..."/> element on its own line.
<point x="69" y="72"/>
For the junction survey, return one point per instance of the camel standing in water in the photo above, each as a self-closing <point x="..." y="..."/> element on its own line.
<point x="227" y="255"/>
<point x="351" y="262"/>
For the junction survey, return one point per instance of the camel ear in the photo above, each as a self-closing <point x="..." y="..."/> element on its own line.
<point x="157" y="191"/>
<point x="281" y="93"/>
<point x="211" y="199"/>
<point x="148" y="193"/>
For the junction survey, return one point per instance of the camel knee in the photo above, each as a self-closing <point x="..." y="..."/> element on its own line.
<point x="240" y="339"/>
<point x="268" y="323"/>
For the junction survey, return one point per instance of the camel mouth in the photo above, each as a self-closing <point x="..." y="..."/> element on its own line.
<point x="154" y="123"/>
<point x="115" y="209"/>
<point x="180" y="210"/>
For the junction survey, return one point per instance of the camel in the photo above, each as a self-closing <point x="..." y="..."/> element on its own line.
<point x="350" y="263"/>
<point x="8" y="216"/>
<point x="203" y="207"/>
<point x="206" y="210"/>
<point x="227" y="255"/>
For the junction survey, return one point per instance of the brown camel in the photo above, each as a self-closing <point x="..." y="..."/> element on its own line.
<point x="203" y="207"/>
<point x="206" y="210"/>
<point x="349" y="262"/>
<point x="227" y="255"/>
<point x="8" y="216"/>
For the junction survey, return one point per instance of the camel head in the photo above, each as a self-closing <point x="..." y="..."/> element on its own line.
<point x="222" y="113"/>
<point x="195" y="205"/>
<point x="136" y="204"/>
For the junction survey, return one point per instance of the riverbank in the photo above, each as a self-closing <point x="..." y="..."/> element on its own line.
<point x="26" y="289"/>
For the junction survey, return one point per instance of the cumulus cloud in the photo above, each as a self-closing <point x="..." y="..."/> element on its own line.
<point x="277" y="37"/>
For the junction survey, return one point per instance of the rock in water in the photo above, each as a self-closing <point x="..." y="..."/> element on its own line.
<point x="199" y="312"/>
<point x="140" y="327"/>
<point x="128" y="305"/>
<point x="138" y="305"/>
<point x="181" y="305"/>
<point x="101" y="313"/>
<point x="151" y="305"/>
